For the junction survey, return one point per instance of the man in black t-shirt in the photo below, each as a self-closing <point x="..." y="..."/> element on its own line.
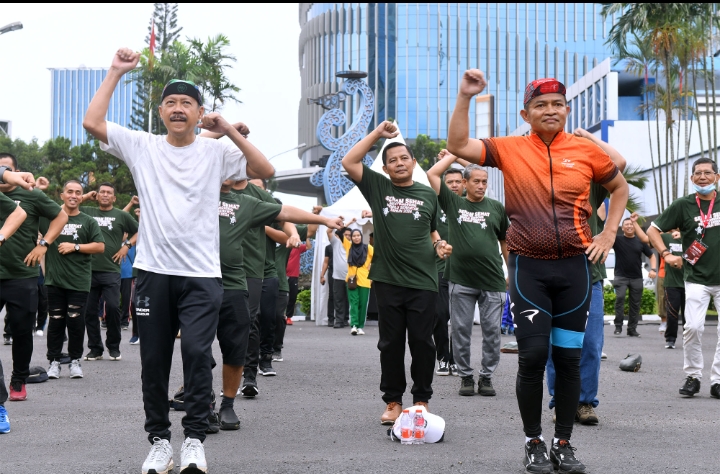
<point x="629" y="249"/>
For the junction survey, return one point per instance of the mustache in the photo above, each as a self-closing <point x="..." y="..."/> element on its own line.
<point x="178" y="117"/>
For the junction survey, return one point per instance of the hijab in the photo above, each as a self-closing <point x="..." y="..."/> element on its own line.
<point x="358" y="252"/>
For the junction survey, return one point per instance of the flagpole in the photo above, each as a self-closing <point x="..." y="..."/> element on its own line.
<point x="152" y="56"/>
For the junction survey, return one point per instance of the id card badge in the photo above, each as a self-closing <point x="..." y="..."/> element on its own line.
<point x="694" y="252"/>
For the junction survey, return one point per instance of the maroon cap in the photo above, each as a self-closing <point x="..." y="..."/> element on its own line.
<point x="548" y="85"/>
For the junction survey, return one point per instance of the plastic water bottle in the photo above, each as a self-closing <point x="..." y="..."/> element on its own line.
<point x="419" y="428"/>
<point x="406" y="428"/>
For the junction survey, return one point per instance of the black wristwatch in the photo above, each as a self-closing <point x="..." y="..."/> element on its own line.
<point x="3" y="169"/>
<point x="128" y="244"/>
<point x="43" y="243"/>
<point x="77" y="247"/>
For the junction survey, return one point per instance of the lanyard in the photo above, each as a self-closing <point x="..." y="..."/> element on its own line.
<point x="705" y="218"/>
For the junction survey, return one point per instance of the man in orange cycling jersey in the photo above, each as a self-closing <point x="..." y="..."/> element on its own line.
<point x="547" y="188"/>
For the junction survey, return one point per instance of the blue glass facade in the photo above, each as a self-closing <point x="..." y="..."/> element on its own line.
<point x="416" y="53"/>
<point x="72" y="90"/>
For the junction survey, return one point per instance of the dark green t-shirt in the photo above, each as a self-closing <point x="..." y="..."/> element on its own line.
<point x="684" y="214"/>
<point x="475" y="229"/>
<point x="113" y="225"/>
<point x="7" y="207"/>
<point x="442" y="228"/>
<point x="403" y="218"/>
<point x="72" y="271"/>
<point x="282" y="252"/>
<point x="673" y="276"/>
<point x="240" y="213"/>
<point x="597" y="196"/>
<point x="254" y="244"/>
<point x="13" y="252"/>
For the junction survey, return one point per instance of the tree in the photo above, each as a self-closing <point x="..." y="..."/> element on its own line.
<point x="426" y="150"/>
<point x="166" y="29"/>
<point x="29" y="155"/>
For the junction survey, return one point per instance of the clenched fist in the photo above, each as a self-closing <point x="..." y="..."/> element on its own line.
<point x="387" y="130"/>
<point x="125" y="60"/>
<point x="473" y="82"/>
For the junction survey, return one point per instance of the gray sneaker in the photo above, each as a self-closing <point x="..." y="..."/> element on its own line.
<point x="277" y="356"/>
<point x="75" y="369"/>
<point x="54" y="370"/>
<point x="485" y="387"/>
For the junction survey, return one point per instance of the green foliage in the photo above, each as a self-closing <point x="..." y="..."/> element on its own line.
<point x="426" y="150"/>
<point x="166" y="29"/>
<point x="647" y="302"/>
<point x="303" y="298"/>
<point x="29" y="155"/>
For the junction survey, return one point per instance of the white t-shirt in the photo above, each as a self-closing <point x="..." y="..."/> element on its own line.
<point x="340" y="266"/>
<point x="179" y="189"/>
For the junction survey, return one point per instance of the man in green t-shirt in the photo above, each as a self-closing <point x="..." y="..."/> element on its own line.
<point x="68" y="278"/>
<point x="403" y="270"/>
<point x="697" y="216"/>
<point x="477" y="228"/>
<point x="19" y="273"/>
<point x="674" y="289"/>
<point x="114" y="224"/>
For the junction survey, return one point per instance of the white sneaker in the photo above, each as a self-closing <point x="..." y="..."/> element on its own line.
<point x="361" y="332"/>
<point x="160" y="459"/>
<point x="39" y="333"/>
<point x="75" y="369"/>
<point x="54" y="370"/>
<point x="354" y="331"/>
<point x="603" y="356"/>
<point x="192" y="456"/>
<point x="663" y="327"/>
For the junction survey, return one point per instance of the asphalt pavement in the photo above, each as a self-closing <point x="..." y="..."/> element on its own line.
<point x="321" y="413"/>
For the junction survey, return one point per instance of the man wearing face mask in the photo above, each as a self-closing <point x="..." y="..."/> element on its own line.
<point x="697" y="216"/>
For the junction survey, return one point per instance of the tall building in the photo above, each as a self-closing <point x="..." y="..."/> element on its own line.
<point x="72" y="91"/>
<point x="415" y="55"/>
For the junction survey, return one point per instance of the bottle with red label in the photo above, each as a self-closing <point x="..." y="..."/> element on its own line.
<point x="406" y="428"/>
<point x="419" y="428"/>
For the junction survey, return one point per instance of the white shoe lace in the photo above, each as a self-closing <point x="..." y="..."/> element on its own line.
<point x="160" y="452"/>
<point x="192" y="450"/>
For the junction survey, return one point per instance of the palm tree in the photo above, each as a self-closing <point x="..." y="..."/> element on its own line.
<point x="634" y="177"/>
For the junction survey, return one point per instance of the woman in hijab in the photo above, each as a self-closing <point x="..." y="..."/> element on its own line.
<point x="359" y="257"/>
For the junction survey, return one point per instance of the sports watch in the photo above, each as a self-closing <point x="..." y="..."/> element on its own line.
<point x="77" y="247"/>
<point x="128" y="244"/>
<point x="43" y="243"/>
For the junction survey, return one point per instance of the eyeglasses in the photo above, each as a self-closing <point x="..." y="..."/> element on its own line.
<point x="698" y="174"/>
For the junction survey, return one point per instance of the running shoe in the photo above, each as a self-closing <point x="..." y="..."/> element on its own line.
<point x="103" y="324"/>
<point x="7" y="340"/>
<point x="249" y="387"/>
<point x="562" y="456"/>
<point x="277" y="356"/>
<point x="160" y="459"/>
<point x="94" y="355"/>
<point x="536" y="460"/>
<point x="75" y="369"/>
<point x="353" y="331"/>
<point x="4" y="420"/>
<point x="361" y="332"/>
<point x="633" y="333"/>
<point x="454" y="370"/>
<point x="663" y="327"/>
<point x="443" y="368"/>
<point x="115" y="355"/>
<point x="17" y="392"/>
<point x="715" y="390"/>
<point x="618" y="330"/>
<point x="134" y="340"/>
<point x="265" y="367"/>
<point x="39" y="332"/>
<point x="288" y="322"/>
<point x="690" y="387"/>
<point x="669" y="345"/>
<point x="192" y="456"/>
<point x="467" y="386"/>
<point x="124" y="327"/>
<point x="54" y="370"/>
<point x="603" y="356"/>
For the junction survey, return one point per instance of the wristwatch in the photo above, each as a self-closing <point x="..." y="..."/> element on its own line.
<point x="2" y="240"/>
<point x="43" y="243"/>
<point x="128" y="244"/>
<point x="3" y="169"/>
<point x="77" y="247"/>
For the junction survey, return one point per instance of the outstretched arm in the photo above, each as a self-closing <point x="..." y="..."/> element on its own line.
<point x="352" y="162"/>
<point x="298" y="216"/>
<point x="434" y="174"/>
<point x="459" y="142"/>
<point x="124" y="61"/>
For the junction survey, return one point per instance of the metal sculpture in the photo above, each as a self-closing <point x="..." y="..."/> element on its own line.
<point x="331" y="178"/>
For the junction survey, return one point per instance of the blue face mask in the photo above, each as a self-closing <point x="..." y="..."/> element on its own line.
<point x="704" y="190"/>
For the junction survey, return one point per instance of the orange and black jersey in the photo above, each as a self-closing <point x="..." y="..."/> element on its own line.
<point x="547" y="191"/>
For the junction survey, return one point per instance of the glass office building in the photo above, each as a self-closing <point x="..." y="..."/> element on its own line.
<point x="415" y="55"/>
<point x="71" y="93"/>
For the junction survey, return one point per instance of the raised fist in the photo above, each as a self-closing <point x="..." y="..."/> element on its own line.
<point x="135" y="201"/>
<point x="387" y="130"/>
<point x="473" y="82"/>
<point x="125" y="60"/>
<point x="445" y="154"/>
<point x="42" y="183"/>
<point x="213" y="122"/>
<point x="334" y="223"/>
<point x="242" y="128"/>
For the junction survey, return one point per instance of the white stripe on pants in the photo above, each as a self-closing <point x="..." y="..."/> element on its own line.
<point x="697" y="298"/>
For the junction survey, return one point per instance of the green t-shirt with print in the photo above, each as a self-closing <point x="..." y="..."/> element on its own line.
<point x="72" y="271"/>
<point x="254" y="244"/>
<point x="239" y="214"/>
<point x="113" y="225"/>
<point x="13" y="252"/>
<point x="673" y="276"/>
<point x="475" y="230"/>
<point x="403" y="218"/>
<point x="597" y="196"/>
<point x="282" y="252"/>
<point x="684" y="214"/>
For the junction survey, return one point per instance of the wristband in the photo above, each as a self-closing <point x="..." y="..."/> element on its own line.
<point x="664" y="252"/>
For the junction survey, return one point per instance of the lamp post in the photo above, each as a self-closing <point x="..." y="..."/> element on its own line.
<point x="11" y="27"/>
<point x="287" y="151"/>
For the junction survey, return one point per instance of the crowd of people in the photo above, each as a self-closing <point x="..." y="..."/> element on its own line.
<point x="436" y="254"/>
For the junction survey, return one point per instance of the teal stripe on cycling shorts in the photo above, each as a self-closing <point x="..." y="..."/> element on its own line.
<point x="568" y="339"/>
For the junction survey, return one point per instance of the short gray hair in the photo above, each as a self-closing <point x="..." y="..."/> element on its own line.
<point x="467" y="172"/>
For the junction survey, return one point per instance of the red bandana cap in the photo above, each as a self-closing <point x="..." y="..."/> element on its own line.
<point x="538" y="87"/>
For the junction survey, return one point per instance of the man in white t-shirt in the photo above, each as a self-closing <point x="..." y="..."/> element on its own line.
<point x="178" y="178"/>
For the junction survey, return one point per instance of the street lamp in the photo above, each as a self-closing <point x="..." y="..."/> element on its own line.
<point x="11" y="27"/>
<point x="286" y="151"/>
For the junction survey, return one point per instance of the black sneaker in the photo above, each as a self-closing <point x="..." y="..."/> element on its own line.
<point x="443" y="368"/>
<point x="632" y="333"/>
<point x="536" y="459"/>
<point x="213" y="424"/>
<point x="715" y="390"/>
<point x="467" y="386"/>
<point x="94" y="355"/>
<point x="228" y="419"/>
<point x="265" y="367"/>
<point x="691" y="387"/>
<point x="115" y="355"/>
<point x="249" y="387"/>
<point x="103" y="324"/>
<point x="618" y="330"/>
<point x="562" y="455"/>
<point x="485" y="387"/>
<point x="124" y="327"/>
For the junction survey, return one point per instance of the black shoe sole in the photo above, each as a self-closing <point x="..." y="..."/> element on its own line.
<point x="229" y="426"/>
<point x="267" y="374"/>
<point x="687" y="394"/>
<point x="487" y="394"/>
<point x="192" y="469"/>
<point x="469" y="394"/>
